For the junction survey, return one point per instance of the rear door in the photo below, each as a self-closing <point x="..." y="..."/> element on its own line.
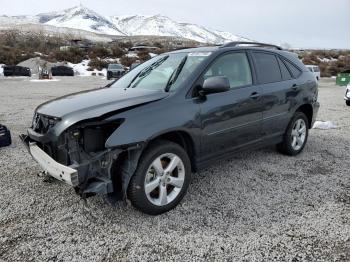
<point x="231" y="119"/>
<point x="278" y="92"/>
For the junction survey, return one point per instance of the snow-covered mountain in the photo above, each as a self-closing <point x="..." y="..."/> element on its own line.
<point x="82" y="18"/>
<point x="164" y="26"/>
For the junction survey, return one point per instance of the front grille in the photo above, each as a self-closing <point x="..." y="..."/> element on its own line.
<point x="42" y="123"/>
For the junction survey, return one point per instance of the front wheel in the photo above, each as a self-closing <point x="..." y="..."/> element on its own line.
<point x="295" y="137"/>
<point x="161" y="178"/>
<point x="347" y="102"/>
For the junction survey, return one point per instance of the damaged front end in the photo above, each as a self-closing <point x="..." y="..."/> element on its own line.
<point x="79" y="157"/>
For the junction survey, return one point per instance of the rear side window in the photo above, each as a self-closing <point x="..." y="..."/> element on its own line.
<point x="267" y="68"/>
<point x="286" y="75"/>
<point x="296" y="72"/>
<point x="234" y="66"/>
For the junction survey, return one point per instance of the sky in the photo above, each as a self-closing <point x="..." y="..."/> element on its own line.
<point x="300" y="23"/>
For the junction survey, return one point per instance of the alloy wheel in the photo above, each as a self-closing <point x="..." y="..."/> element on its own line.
<point x="164" y="179"/>
<point x="298" y="134"/>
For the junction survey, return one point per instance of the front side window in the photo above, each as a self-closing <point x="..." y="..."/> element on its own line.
<point x="234" y="66"/>
<point x="267" y="68"/>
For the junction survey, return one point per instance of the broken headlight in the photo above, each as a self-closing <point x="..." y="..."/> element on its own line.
<point x="93" y="136"/>
<point x="42" y="123"/>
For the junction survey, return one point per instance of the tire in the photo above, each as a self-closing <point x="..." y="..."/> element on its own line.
<point x="290" y="147"/>
<point x="151" y="176"/>
<point x="347" y="102"/>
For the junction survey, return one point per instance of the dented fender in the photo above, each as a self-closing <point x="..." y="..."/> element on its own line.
<point x="145" y="123"/>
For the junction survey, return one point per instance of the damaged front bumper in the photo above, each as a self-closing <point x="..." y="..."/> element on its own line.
<point x="63" y="173"/>
<point x="88" y="173"/>
<point x="90" y="176"/>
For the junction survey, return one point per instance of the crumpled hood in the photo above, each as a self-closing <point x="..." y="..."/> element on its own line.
<point x="97" y="102"/>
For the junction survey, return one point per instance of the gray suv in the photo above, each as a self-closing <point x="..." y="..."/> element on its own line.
<point x="115" y="71"/>
<point x="141" y="138"/>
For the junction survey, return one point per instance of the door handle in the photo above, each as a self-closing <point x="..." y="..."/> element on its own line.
<point x="255" y="95"/>
<point x="295" y="87"/>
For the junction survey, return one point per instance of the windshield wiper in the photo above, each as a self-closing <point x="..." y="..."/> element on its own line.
<point x="175" y="74"/>
<point x="146" y="71"/>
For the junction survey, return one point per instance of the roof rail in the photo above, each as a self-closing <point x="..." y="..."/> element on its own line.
<point x="253" y="44"/>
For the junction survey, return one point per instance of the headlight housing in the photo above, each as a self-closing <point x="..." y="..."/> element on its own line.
<point x="93" y="136"/>
<point x="42" y="123"/>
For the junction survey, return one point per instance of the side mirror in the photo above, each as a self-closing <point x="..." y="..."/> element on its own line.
<point x="215" y="84"/>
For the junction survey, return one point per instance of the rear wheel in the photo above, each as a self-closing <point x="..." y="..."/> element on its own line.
<point x="295" y="138"/>
<point x="161" y="178"/>
<point x="347" y="102"/>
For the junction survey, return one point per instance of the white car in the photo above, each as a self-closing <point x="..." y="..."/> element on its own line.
<point x="315" y="70"/>
<point x="347" y="95"/>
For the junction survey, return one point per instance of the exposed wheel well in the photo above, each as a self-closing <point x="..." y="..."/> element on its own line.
<point x="308" y="111"/>
<point x="179" y="137"/>
<point x="184" y="140"/>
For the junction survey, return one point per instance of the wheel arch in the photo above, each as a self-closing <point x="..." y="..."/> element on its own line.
<point x="183" y="139"/>
<point x="130" y="158"/>
<point x="308" y="111"/>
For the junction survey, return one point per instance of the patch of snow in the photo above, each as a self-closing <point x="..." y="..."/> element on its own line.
<point x="81" y="69"/>
<point x="1" y="69"/>
<point x="44" y="80"/>
<point x="326" y="60"/>
<point x="324" y="125"/>
<point x="131" y="54"/>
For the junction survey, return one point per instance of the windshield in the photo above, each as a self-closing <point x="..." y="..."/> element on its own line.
<point x="163" y="72"/>
<point x="115" y="66"/>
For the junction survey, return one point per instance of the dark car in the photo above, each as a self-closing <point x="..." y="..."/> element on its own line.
<point x="62" y="71"/>
<point x="115" y="71"/>
<point x="175" y="114"/>
<point x="10" y="70"/>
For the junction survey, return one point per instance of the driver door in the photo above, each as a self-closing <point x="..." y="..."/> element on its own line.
<point x="232" y="119"/>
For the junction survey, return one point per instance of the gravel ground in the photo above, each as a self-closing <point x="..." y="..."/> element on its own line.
<point x="257" y="206"/>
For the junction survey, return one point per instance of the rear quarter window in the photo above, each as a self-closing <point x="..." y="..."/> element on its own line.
<point x="267" y="66"/>
<point x="296" y="72"/>
<point x="286" y="75"/>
